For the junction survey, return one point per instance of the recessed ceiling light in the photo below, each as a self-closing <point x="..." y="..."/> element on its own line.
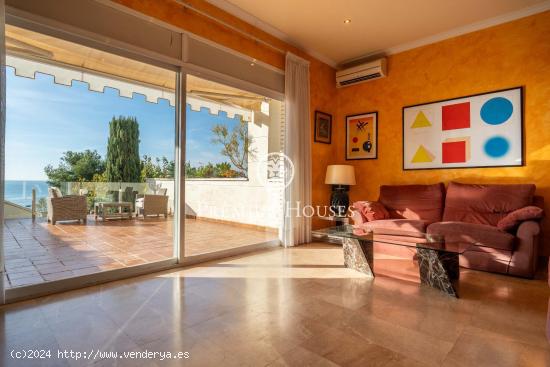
<point x="347" y="21"/>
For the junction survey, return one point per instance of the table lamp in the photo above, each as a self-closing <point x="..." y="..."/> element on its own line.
<point x="340" y="176"/>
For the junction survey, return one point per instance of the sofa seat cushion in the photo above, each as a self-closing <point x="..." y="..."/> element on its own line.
<point x="418" y="202"/>
<point x="398" y="227"/>
<point x="485" y="204"/>
<point x="478" y="234"/>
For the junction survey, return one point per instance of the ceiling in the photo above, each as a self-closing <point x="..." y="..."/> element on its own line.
<point x="318" y="27"/>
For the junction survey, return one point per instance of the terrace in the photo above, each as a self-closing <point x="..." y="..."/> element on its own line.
<point x="37" y="252"/>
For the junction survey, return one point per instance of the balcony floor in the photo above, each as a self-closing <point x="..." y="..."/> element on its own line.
<point x="39" y="252"/>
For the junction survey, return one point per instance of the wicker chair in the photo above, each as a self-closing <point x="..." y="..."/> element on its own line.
<point x="152" y="205"/>
<point x="68" y="207"/>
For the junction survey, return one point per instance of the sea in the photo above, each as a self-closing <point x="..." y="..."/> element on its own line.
<point x="20" y="192"/>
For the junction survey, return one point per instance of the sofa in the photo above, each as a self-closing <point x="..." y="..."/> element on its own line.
<point x="465" y="213"/>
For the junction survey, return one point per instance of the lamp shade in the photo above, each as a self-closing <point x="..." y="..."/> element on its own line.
<point x="340" y="174"/>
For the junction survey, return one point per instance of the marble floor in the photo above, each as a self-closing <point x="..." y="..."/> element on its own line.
<point x="38" y="252"/>
<point x="288" y="307"/>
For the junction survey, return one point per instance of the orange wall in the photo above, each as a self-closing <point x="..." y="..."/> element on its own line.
<point x="322" y="76"/>
<point x="508" y="55"/>
<point x="504" y="56"/>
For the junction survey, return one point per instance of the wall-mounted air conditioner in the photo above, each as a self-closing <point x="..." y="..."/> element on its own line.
<point x="361" y="73"/>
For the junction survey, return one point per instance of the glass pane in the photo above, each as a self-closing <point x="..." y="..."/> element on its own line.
<point x="90" y="144"/>
<point x="230" y="199"/>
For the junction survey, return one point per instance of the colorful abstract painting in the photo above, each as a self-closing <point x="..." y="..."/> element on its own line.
<point x="483" y="130"/>
<point x="362" y="136"/>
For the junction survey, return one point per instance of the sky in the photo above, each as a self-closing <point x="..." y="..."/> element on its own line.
<point x="44" y="119"/>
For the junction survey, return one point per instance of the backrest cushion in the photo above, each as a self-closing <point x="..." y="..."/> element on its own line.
<point x="54" y="192"/>
<point x="371" y="210"/>
<point x="513" y="219"/>
<point x="424" y="202"/>
<point x="485" y="204"/>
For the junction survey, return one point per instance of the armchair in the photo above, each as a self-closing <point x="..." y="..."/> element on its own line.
<point x="152" y="205"/>
<point x="68" y="207"/>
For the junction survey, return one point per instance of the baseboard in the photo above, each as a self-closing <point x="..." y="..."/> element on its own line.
<point x="232" y="223"/>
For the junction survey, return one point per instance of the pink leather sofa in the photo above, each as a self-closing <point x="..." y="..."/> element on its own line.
<point x="462" y="212"/>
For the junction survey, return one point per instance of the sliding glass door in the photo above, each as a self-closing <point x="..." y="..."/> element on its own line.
<point x="91" y="177"/>
<point x="96" y="188"/>
<point x="233" y="192"/>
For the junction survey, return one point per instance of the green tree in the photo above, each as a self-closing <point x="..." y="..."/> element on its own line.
<point x="236" y="145"/>
<point x="190" y="171"/>
<point x="161" y="168"/>
<point x="224" y="170"/>
<point x="210" y="170"/>
<point x="123" y="163"/>
<point x="168" y="167"/>
<point x="75" y="166"/>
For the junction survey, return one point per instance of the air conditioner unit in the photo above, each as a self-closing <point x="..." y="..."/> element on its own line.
<point x="361" y="73"/>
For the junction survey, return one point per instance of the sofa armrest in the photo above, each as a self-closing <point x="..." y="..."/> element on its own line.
<point x="356" y="216"/>
<point x="524" y="257"/>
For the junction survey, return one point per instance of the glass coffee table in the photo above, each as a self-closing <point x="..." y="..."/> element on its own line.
<point x="437" y="259"/>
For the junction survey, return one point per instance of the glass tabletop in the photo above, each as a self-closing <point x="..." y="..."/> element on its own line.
<point x="397" y="238"/>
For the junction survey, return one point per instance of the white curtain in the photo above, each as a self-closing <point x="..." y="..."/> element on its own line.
<point x="2" y="142"/>
<point x="297" y="226"/>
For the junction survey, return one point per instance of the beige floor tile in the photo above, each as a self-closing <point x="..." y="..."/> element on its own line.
<point x="482" y="348"/>
<point x="291" y="307"/>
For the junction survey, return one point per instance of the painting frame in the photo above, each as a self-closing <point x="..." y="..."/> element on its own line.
<point x="521" y="128"/>
<point x="319" y="129"/>
<point x="367" y="155"/>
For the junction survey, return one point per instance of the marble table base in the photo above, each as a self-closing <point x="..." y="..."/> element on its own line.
<point x="438" y="269"/>
<point x="358" y="255"/>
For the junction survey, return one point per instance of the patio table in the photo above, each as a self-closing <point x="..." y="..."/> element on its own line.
<point x="123" y="210"/>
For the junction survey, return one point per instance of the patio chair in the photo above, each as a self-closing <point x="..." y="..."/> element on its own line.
<point x="129" y="195"/>
<point x="152" y="205"/>
<point x="68" y="207"/>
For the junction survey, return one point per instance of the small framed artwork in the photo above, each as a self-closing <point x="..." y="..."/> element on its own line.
<point x="362" y="136"/>
<point x="323" y="127"/>
<point x="481" y="130"/>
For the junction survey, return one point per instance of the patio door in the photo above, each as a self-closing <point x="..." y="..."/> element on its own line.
<point x="91" y="166"/>
<point x="233" y="189"/>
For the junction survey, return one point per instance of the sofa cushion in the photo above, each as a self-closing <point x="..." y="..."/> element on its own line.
<point x="399" y="227"/>
<point x="54" y="192"/>
<point x="485" y="204"/>
<point x="418" y="202"/>
<point x="371" y="210"/>
<point x="514" y="219"/>
<point x="478" y="234"/>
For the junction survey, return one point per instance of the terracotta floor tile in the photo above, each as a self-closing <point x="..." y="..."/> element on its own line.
<point x="70" y="246"/>
<point x="58" y="275"/>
